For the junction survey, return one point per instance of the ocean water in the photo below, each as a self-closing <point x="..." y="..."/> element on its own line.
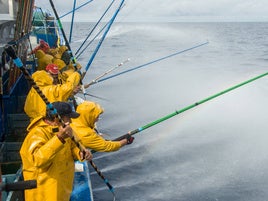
<point x="216" y="151"/>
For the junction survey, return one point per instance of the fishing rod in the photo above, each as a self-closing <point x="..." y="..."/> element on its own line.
<point x="10" y="51"/>
<point x="77" y="51"/>
<point x="151" y="62"/>
<point x="105" y="73"/>
<point x="72" y="22"/>
<point x="63" y="33"/>
<point x="66" y="41"/>
<point x="105" y="180"/>
<point x="103" y="36"/>
<point x="187" y="108"/>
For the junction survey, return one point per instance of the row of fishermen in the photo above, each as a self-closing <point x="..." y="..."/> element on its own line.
<point x="48" y="151"/>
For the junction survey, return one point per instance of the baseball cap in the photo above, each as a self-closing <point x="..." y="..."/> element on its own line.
<point x="65" y="109"/>
<point x="52" y="68"/>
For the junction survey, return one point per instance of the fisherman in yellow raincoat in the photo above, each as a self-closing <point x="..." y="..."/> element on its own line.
<point x="48" y="155"/>
<point x="84" y="126"/>
<point x="43" y="59"/>
<point x="34" y="106"/>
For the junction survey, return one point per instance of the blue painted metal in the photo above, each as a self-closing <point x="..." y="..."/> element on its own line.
<point x="82" y="184"/>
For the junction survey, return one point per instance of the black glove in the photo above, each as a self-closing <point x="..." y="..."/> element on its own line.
<point x="130" y="139"/>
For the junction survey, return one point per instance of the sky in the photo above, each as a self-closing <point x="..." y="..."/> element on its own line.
<point x="168" y="10"/>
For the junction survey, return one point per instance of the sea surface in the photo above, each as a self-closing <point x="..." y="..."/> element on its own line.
<point x="215" y="151"/>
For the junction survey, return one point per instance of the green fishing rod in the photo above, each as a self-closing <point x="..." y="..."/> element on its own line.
<point x="17" y="61"/>
<point x="187" y="108"/>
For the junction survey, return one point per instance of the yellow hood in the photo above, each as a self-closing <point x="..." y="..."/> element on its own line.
<point x="42" y="78"/>
<point x="88" y="111"/>
<point x="40" y="54"/>
<point x="60" y="63"/>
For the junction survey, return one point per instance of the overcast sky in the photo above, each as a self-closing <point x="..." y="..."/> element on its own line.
<point x="170" y="10"/>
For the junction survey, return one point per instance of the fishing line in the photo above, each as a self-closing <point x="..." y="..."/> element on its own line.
<point x="133" y="132"/>
<point x="10" y="51"/>
<point x="151" y="62"/>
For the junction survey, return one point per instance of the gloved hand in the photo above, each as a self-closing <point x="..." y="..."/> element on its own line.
<point x="130" y="139"/>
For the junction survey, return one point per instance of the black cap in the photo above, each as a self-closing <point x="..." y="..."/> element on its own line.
<point x="65" y="109"/>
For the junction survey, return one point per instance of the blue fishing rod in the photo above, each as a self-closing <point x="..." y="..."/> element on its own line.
<point x="72" y="22"/>
<point x="151" y="62"/>
<point x="104" y="35"/>
<point x="77" y="51"/>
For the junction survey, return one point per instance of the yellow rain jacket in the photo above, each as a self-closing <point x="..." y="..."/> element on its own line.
<point x="43" y="59"/>
<point x="60" y="63"/>
<point x="48" y="161"/>
<point x="35" y="106"/>
<point x="84" y="128"/>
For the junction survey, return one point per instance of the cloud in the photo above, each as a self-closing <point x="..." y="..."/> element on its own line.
<point x="142" y="10"/>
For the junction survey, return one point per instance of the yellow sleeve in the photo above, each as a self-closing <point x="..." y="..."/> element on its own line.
<point x="63" y="91"/>
<point x="40" y="151"/>
<point x="92" y="140"/>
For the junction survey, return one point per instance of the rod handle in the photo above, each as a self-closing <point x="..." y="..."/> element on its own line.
<point x="19" y="186"/>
